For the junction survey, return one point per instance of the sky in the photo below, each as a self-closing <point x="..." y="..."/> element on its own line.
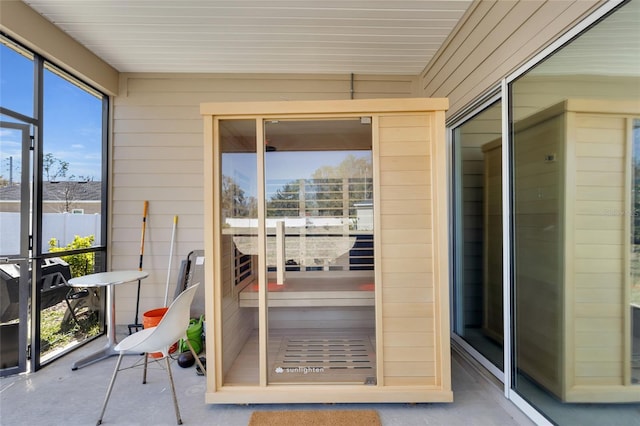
<point x="281" y="167"/>
<point x="72" y="118"/>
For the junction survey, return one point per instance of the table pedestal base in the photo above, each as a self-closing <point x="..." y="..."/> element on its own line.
<point x="104" y="353"/>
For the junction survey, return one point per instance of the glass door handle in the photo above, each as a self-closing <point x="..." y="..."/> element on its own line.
<point x="12" y="259"/>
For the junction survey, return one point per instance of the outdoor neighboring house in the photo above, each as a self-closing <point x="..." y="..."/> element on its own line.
<point x="74" y="197"/>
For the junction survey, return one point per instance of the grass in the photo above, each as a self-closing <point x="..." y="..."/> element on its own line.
<point x="56" y="333"/>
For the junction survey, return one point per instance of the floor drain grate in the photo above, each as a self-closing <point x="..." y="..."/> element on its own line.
<point x="350" y="359"/>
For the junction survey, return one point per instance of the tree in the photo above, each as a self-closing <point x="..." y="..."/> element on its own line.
<point x="324" y="192"/>
<point x="285" y="202"/>
<point x="234" y="201"/>
<point x="53" y="167"/>
<point x="350" y="167"/>
<point x="71" y="189"/>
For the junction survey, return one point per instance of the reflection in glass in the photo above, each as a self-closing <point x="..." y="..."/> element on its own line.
<point x="238" y="251"/>
<point x="478" y="187"/>
<point x="635" y="256"/>
<point x="574" y="227"/>
<point x="319" y="208"/>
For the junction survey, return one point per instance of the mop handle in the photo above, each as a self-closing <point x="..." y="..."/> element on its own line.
<point x="144" y="227"/>
<point x="173" y="235"/>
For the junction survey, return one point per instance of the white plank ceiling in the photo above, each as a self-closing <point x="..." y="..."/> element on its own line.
<point x="259" y="36"/>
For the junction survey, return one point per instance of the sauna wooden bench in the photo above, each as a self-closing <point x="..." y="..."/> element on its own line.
<point x="313" y="292"/>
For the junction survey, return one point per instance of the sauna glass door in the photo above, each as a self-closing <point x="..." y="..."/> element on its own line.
<point x="319" y="251"/>
<point x="238" y="251"/>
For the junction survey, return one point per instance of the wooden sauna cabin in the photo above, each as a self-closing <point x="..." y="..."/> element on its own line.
<point x="326" y="235"/>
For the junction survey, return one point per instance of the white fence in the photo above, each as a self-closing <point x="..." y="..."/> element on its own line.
<point x="62" y="226"/>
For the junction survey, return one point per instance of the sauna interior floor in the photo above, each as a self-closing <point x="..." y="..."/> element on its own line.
<point x="309" y="356"/>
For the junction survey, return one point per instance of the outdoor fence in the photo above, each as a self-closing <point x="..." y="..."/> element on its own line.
<point x="61" y="226"/>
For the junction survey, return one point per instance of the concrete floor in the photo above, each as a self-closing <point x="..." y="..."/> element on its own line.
<point x="55" y="395"/>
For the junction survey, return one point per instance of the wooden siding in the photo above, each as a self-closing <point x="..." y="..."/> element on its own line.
<point x="538" y="256"/>
<point x="600" y="151"/>
<point x="492" y="295"/>
<point x="495" y="38"/>
<point x="405" y="146"/>
<point x="469" y="139"/>
<point x="572" y="247"/>
<point x="157" y="156"/>
<point x="237" y="324"/>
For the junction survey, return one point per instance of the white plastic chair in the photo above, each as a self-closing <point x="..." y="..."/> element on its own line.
<point x="171" y="328"/>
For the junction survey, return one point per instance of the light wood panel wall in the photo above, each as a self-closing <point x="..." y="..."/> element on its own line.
<point x="157" y="156"/>
<point x="494" y="38"/>
<point x="469" y="140"/>
<point x="573" y="177"/>
<point x="237" y="324"/>
<point x="492" y="294"/>
<point x="600" y="279"/>
<point x="408" y="305"/>
<point x="539" y="220"/>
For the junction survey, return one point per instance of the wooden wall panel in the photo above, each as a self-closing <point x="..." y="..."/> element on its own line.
<point x="237" y="323"/>
<point x="327" y="318"/>
<point x="470" y="138"/>
<point x="492" y="312"/>
<point x="539" y="225"/>
<point x="573" y="249"/>
<point x="600" y="149"/>
<point x="405" y="145"/>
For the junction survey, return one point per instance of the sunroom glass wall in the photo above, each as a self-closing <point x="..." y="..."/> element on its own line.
<point x="575" y="261"/>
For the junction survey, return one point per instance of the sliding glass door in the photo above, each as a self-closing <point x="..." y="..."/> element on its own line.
<point x="575" y="160"/>
<point x="478" y="310"/>
<point x="568" y="220"/>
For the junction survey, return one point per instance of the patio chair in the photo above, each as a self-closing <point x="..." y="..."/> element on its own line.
<point x="171" y="328"/>
<point x="77" y="299"/>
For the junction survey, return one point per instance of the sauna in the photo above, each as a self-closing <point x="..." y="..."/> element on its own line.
<point x="326" y="230"/>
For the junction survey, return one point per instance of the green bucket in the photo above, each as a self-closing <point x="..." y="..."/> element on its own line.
<point x="194" y="334"/>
